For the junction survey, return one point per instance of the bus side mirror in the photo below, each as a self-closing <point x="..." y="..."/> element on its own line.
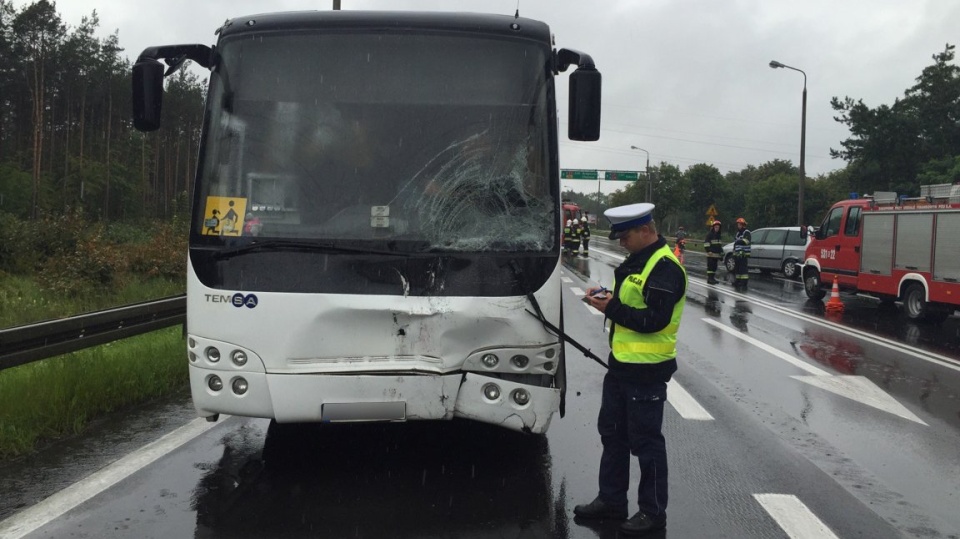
<point x="584" y="111"/>
<point x="147" y="94"/>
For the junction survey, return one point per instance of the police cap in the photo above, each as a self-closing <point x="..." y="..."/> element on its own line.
<point x="623" y="218"/>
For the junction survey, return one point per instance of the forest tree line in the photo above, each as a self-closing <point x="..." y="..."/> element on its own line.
<point x="67" y="142"/>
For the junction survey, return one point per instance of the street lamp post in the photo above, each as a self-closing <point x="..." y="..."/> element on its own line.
<point x="647" y="173"/>
<point x="803" y="138"/>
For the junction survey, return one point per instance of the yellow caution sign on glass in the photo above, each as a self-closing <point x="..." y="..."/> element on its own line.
<point x="223" y="216"/>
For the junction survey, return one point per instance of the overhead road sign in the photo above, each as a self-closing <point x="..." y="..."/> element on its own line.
<point x="578" y="174"/>
<point x="621" y="175"/>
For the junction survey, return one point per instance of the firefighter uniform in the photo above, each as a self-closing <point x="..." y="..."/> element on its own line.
<point x="575" y="237"/>
<point x="741" y="254"/>
<point x="568" y="236"/>
<point x="644" y="313"/>
<point x="713" y="245"/>
<point x="585" y="236"/>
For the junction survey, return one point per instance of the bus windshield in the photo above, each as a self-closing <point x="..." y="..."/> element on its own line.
<point x="431" y="141"/>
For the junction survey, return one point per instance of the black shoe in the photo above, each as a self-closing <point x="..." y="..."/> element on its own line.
<point x="641" y="523"/>
<point x="600" y="509"/>
<point x="713" y="281"/>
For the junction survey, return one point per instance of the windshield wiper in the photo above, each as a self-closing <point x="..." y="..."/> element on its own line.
<point x="302" y="247"/>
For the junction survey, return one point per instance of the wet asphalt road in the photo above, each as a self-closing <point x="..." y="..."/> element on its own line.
<point x="853" y="423"/>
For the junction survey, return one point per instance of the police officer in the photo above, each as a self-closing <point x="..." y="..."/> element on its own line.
<point x="741" y="254"/>
<point x="714" y="248"/>
<point x="644" y="310"/>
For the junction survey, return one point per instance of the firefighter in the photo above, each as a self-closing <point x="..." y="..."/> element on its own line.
<point x="741" y="254"/>
<point x="714" y="248"/>
<point x="585" y="236"/>
<point x="681" y="238"/>
<point x="575" y="237"/>
<point x="567" y="236"/>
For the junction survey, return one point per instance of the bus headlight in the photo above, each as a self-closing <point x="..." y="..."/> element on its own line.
<point x="520" y="361"/>
<point x="490" y="360"/>
<point x="239" y="386"/>
<point x="521" y="396"/>
<point x="213" y="355"/>
<point x="215" y="383"/>
<point x="491" y="391"/>
<point x="239" y="358"/>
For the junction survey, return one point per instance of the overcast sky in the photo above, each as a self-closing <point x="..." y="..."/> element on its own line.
<point x="687" y="80"/>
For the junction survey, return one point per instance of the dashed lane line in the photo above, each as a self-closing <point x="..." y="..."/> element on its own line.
<point x="685" y="404"/>
<point x="794" y="517"/>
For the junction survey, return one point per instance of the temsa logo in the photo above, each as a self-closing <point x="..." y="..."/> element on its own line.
<point x="237" y="300"/>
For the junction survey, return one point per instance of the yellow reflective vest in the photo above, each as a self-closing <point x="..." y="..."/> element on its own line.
<point x="629" y="346"/>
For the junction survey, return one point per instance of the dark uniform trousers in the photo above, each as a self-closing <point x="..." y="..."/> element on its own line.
<point x="631" y="416"/>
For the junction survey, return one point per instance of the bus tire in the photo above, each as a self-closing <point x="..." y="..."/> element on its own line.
<point x="811" y="284"/>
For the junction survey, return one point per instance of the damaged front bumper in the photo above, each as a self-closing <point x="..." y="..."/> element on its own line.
<point x="381" y="397"/>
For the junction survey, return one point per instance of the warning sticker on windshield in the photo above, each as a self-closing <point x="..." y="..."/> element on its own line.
<point x="223" y="216"/>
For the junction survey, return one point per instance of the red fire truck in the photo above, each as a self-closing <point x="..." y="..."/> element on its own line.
<point x="892" y="248"/>
<point x="570" y="212"/>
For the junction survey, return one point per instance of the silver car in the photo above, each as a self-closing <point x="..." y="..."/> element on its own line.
<point x="773" y="249"/>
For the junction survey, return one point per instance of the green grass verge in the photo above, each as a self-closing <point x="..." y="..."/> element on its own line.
<point x="23" y="301"/>
<point x="57" y="397"/>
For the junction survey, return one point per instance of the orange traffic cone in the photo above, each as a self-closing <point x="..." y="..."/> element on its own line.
<point x="835" y="305"/>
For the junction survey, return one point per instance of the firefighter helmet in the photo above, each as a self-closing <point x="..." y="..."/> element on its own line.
<point x="576" y="221"/>
<point x="741" y="220"/>
<point x="569" y="222"/>
<point x="715" y="222"/>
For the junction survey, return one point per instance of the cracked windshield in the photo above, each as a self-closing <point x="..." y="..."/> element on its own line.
<point x="360" y="140"/>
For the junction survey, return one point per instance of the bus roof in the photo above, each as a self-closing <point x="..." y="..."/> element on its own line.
<point x="479" y="23"/>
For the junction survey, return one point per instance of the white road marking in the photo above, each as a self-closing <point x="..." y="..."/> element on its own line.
<point x="931" y="357"/>
<point x="861" y="389"/>
<point x="796" y="519"/>
<point x="39" y="515"/>
<point x="685" y="404"/>
<point x="577" y="291"/>
<point x="593" y="310"/>
<point x="566" y="279"/>
<point x="856" y="388"/>
<point x="764" y="346"/>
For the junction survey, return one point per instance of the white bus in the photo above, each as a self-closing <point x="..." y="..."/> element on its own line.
<point x="375" y="218"/>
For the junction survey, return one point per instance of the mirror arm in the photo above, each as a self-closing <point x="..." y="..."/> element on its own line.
<point x="175" y="55"/>
<point x="566" y="57"/>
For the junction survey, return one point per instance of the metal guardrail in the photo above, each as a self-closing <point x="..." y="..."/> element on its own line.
<point x="33" y="342"/>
